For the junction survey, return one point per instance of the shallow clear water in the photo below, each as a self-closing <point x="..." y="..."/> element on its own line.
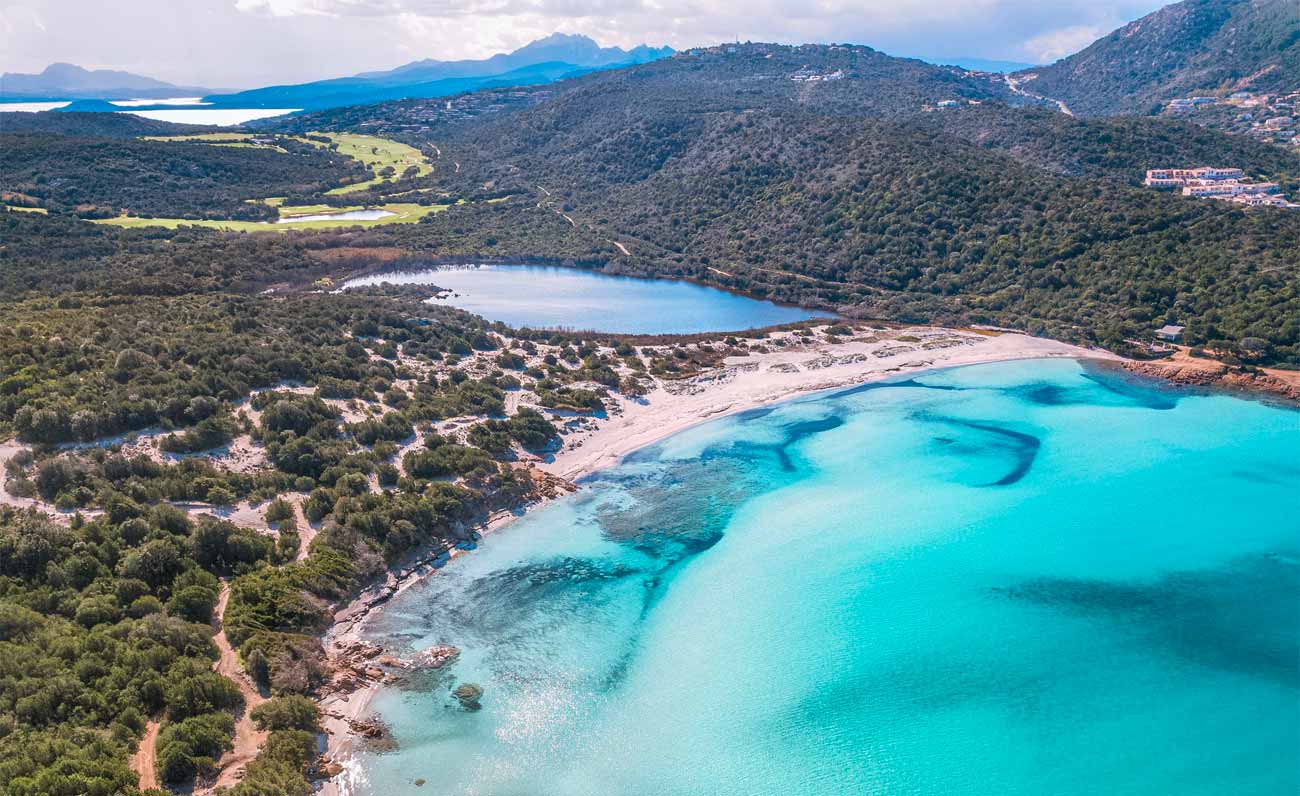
<point x="350" y="215"/>
<point x="1025" y="578"/>
<point x="569" y="298"/>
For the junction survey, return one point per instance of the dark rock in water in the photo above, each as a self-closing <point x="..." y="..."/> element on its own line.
<point x="469" y="695"/>
<point x="375" y="732"/>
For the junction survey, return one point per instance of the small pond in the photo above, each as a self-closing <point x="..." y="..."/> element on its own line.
<point x="350" y="215"/>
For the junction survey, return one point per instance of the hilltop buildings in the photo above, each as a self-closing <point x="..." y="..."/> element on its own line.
<point x="1267" y="117"/>
<point x="1228" y="184"/>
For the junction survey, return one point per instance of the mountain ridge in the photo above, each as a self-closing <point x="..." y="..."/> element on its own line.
<point x="1187" y="47"/>
<point x="69" y="81"/>
<point x="542" y="61"/>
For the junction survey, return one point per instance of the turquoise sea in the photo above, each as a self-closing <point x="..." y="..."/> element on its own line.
<point x="1027" y="578"/>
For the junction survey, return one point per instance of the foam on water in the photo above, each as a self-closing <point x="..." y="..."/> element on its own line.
<point x="1021" y="578"/>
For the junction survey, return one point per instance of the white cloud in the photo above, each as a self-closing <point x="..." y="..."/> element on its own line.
<point x="1056" y="44"/>
<point x="235" y="43"/>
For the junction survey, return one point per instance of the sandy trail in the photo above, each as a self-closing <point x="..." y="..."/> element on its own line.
<point x="145" y="762"/>
<point x="248" y="739"/>
<point x="306" y="531"/>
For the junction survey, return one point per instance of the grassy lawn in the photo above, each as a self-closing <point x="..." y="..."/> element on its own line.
<point x="374" y="152"/>
<point x="40" y="210"/>
<point x="403" y="214"/>
<point x="205" y="138"/>
<point x="234" y="140"/>
<point x="246" y="145"/>
<point x="377" y="153"/>
<point x="289" y="211"/>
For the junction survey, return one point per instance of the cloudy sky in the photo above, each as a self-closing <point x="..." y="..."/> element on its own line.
<point x="241" y="43"/>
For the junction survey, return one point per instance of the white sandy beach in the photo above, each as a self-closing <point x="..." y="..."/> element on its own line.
<point x="763" y="378"/>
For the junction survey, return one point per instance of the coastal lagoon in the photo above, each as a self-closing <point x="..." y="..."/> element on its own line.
<point x="1024" y="578"/>
<point x="549" y="298"/>
<point x="221" y="117"/>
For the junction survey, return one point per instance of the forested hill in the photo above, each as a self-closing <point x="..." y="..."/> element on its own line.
<point x="1122" y="148"/>
<point x="831" y="80"/>
<point x="1189" y="47"/>
<point x="858" y="193"/>
<point x="102" y="177"/>
<point x="103" y="125"/>
<point x="888" y="220"/>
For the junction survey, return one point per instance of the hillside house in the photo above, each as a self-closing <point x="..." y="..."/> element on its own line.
<point x="1169" y="334"/>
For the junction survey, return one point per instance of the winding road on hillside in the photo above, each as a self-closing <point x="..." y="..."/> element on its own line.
<point x="1015" y="85"/>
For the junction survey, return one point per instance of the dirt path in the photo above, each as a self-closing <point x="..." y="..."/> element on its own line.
<point x="1015" y="86"/>
<point x="144" y="762"/>
<point x="248" y="739"/>
<point x="621" y="248"/>
<point x="306" y="531"/>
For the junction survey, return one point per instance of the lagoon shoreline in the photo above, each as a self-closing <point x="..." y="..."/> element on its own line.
<point x="740" y="384"/>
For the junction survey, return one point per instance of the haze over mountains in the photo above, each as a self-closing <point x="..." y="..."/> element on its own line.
<point x="543" y="61"/>
<point x="68" y="81"/>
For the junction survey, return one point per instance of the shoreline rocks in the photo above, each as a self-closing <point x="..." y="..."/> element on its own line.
<point x="435" y="657"/>
<point x="1213" y="374"/>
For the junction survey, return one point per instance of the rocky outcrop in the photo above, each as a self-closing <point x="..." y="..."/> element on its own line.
<point x="547" y="486"/>
<point x="435" y="657"/>
<point x="1213" y="374"/>
<point x="374" y="732"/>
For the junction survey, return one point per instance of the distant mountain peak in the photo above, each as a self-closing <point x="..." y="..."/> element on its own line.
<point x="540" y="61"/>
<point x="65" y="80"/>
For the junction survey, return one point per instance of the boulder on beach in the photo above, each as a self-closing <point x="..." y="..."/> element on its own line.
<point x="469" y="694"/>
